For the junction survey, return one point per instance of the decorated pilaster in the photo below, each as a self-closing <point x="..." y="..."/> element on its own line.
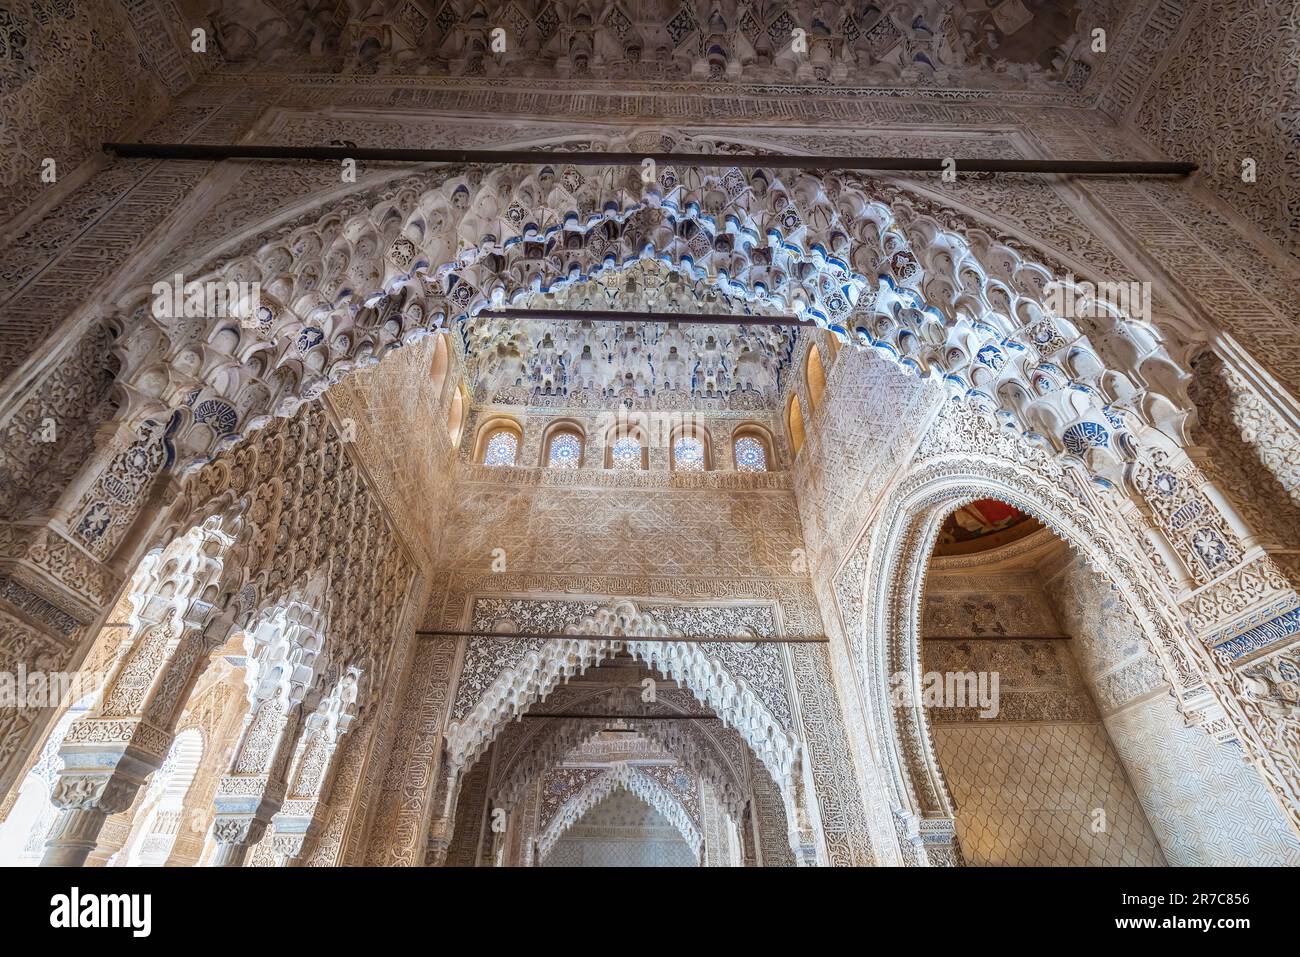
<point x="282" y="654"/>
<point x="311" y="775"/>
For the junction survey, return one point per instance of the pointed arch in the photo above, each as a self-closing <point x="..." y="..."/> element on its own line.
<point x="693" y="748"/>
<point x="931" y="289"/>
<point x="626" y="777"/>
<point x="538" y="672"/>
<point x="153" y="840"/>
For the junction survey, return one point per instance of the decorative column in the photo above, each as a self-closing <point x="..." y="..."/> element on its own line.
<point x="116" y="832"/>
<point x="156" y="846"/>
<point x="443" y="815"/>
<point x="1240" y="613"/>
<point x="735" y="850"/>
<point x="938" y="840"/>
<point x="803" y="831"/>
<point x="749" y="847"/>
<point x="501" y="821"/>
<point x="85" y="802"/>
<point x="110" y="440"/>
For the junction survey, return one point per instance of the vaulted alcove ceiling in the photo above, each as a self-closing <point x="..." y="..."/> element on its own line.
<point x="976" y="43"/>
<point x="983" y="525"/>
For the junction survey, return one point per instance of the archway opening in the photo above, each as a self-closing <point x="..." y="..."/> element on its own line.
<point x="619" y="725"/>
<point x="1014" y="686"/>
<point x="622" y="830"/>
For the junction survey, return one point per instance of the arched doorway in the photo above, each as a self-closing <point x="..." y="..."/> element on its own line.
<point x="642" y="713"/>
<point x="1012" y="701"/>
<point x="621" y="830"/>
<point x="1179" y="774"/>
<point x="541" y="774"/>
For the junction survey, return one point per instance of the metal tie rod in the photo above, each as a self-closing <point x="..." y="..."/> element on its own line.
<point x="622" y="717"/>
<point x="616" y="315"/>
<point x="916" y="164"/>
<point x="553" y="636"/>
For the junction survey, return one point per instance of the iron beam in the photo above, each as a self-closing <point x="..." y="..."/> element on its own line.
<point x="538" y="157"/>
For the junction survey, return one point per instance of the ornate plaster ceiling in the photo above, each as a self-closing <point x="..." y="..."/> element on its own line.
<point x="979" y="43"/>
<point x="588" y="364"/>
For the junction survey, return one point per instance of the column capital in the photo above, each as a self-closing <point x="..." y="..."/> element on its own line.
<point x="938" y="839"/>
<point x="242" y="830"/>
<point x="130" y="744"/>
<point x="107" y="793"/>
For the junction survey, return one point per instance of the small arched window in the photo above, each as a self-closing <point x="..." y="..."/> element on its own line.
<point x="751" y="454"/>
<point x="501" y="447"/>
<point x="152" y="841"/>
<point x="794" y="424"/>
<point x="815" y="376"/>
<point x="441" y="360"/>
<point x="688" y="453"/>
<point x="564" y="450"/>
<point x="456" y="416"/>
<point x="833" y="346"/>
<point x="625" y="453"/>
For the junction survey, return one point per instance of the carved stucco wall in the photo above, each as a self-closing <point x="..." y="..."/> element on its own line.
<point x="210" y="113"/>
<point x="1227" y="91"/>
<point x="724" y="545"/>
<point x="1205" y="804"/>
<point x="471" y="818"/>
<point x="414" y="477"/>
<point x="768" y="816"/>
<point x="1178" y="238"/>
<point x="1253" y="453"/>
<point x="73" y="75"/>
<point x="71" y="253"/>
<point x="794" y="682"/>
<point x="652" y="524"/>
<point x="856" y="439"/>
<point x="1027" y="51"/>
<point x="411" y="748"/>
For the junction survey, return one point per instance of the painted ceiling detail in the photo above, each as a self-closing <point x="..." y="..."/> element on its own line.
<point x="673" y="365"/>
<point x="985" y="43"/>
<point x="983" y="524"/>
